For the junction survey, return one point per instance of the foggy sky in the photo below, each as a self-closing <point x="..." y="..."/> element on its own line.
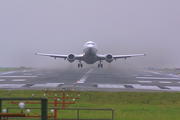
<point x="117" y="27"/>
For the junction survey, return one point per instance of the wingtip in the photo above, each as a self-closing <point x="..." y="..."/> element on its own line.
<point x="144" y="54"/>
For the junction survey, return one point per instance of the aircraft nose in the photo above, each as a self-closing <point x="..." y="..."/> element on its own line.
<point x="90" y="46"/>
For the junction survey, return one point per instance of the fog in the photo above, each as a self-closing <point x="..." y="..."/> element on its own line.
<point x="117" y="27"/>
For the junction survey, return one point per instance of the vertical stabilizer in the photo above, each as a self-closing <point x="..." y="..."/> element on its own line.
<point x="90" y="37"/>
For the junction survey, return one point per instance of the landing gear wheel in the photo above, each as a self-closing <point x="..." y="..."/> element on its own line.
<point x="80" y="65"/>
<point x="100" y="65"/>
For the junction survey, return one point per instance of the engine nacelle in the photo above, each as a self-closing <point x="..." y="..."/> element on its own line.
<point x="109" y="58"/>
<point x="71" y="57"/>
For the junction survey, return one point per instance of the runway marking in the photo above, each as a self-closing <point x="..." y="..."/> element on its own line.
<point x="47" y="85"/>
<point x="11" y="85"/>
<point x="164" y="82"/>
<point x="158" y="78"/>
<point x="40" y="74"/>
<point x="17" y="76"/>
<point x="175" y="88"/>
<point x="175" y="75"/>
<point x="135" y="86"/>
<point x="2" y="79"/>
<point x="147" y="75"/>
<point x="84" y="77"/>
<point x="82" y="80"/>
<point x="7" y="73"/>
<point x="29" y="70"/>
<point x="163" y="87"/>
<point x="146" y="87"/>
<point x="27" y="85"/>
<point x="110" y="86"/>
<point x="28" y="74"/>
<point x="128" y="86"/>
<point x="152" y="72"/>
<point x="145" y="81"/>
<point x="19" y="80"/>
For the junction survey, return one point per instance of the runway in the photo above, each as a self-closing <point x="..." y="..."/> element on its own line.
<point x="91" y="79"/>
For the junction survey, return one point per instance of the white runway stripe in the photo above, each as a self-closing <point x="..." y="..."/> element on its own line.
<point x="175" y="75"/>
<point x="47" y="85"/>
<point x="82" y="80"/>
<point x="136" y="86"/>
<point x="11" y="85"/>
<point x="153" y="72"/>
<point x="164" y="82"/>
<point x="147" y="75"/>
<point x="7" y="73"/>
<point x="158" y="78"/>
<point x="18" y="80"/>
<point x="110" y="86"/>
<point x="146" y="87"/>
<point x="17" y="76"/>
<point x="175" y="88"/>
<point x="145" y="81"/>
<point x="2" y="79"/>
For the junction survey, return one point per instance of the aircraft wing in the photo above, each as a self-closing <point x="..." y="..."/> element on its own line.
<point x="103" y="57"/>
<point x="52" y="55"/>
<point x="77" y="57"/>
<point x="127" y="56"/>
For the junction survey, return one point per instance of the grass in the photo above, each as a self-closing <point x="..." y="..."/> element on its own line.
<point x="127" y="105"/>
<point x="9" y="69"/>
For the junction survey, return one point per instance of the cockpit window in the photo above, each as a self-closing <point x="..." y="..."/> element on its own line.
<point x="90" y="44"/>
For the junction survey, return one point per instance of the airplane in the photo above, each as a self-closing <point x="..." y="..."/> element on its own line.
<point x="90" y="55"/>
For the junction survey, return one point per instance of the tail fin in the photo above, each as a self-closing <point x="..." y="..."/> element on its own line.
<point x="90" y="37"/>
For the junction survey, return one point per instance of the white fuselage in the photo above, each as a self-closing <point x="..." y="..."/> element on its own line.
<point x="90" y="52"/>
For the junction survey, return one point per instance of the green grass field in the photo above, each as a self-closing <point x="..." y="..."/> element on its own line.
<point x="126" y="105"/>
<point x="9" y="69"/>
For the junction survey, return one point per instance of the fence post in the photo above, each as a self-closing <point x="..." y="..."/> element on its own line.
<point x="78" y="114"/>
<point x="112" y="114"/>
<point x="0" y="107"/>
<point x="44" y="109"/>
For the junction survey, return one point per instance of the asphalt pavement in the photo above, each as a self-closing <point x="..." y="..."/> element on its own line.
<point x="95" y="79"/>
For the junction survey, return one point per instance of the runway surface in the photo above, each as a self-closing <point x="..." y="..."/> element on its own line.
<point x="91" y="79"/>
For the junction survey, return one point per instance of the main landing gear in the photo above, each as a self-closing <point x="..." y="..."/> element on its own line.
<point x="80" y="64"/>
<point x="100" y="65"/>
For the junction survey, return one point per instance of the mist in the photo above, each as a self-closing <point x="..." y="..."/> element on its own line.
<point x="63" y="27"/>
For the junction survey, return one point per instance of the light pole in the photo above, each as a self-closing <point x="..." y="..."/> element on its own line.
<point x="22" y="106"/>
<point x="28" y="111"/>
<point x="52" y="111"/>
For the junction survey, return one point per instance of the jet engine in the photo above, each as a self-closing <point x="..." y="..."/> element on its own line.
<point x="71" y="58"/>
<point x="109" y="58"/>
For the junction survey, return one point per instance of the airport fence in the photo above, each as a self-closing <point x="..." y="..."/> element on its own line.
<point x="78" y="116"/>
